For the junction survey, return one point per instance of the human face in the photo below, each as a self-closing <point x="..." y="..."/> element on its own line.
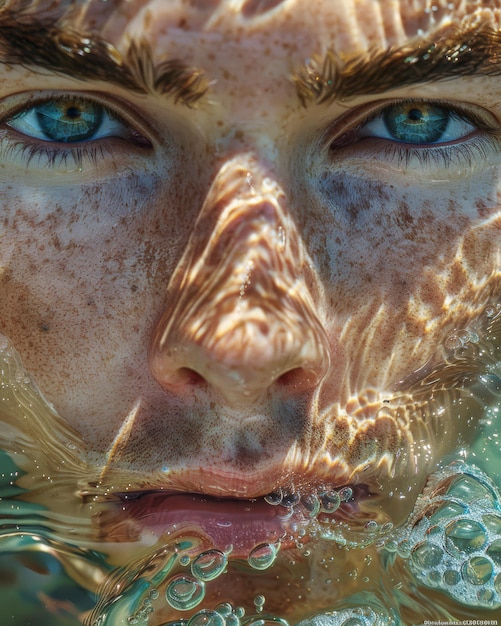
<point x="261" y="228"/>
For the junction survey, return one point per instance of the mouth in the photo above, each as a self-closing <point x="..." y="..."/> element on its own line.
<point x="237" y="527"/>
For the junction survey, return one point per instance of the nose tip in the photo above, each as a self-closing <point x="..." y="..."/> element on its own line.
<point x="242" y="356"/>
<point x="240" y="316"/>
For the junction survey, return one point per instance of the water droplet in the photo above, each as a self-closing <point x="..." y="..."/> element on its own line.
<point x="497" y="583"/>
<point x="263" y="556"/>
<point x="184" y="593"/>
<point x="209" y="565"/>
<point x="239" y="611"/>
<point x="371" y="526"/>
<point x="477" y="570"/>
<point x="206" y="617"/>
<point x="154" y="594"/>
<point x="184" y="560"/>
<point x="465" y="536"/>
<point x="426" y="555"/>
<point x="330" y="501"/>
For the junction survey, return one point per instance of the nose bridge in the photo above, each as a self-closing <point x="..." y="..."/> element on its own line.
<point x="239" y="309"/>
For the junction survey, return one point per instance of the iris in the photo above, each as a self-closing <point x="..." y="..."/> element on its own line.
<point x="69" y="120"/>
<point x="416" y="123"/>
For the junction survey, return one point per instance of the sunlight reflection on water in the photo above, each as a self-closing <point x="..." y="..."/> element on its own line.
<point x="445" y="562"/>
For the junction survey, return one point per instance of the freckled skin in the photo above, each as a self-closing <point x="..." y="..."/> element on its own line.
<point x="257" y="295"/>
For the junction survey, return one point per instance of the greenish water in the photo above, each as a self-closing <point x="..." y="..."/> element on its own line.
<point x="444" y="563"/>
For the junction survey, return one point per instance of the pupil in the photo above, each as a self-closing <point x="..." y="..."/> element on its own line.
<point x="73" y="113"/>
<point x="415" y="115"/>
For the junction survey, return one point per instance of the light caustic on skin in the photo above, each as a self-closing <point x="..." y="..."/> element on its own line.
<point x="248" y="252"/>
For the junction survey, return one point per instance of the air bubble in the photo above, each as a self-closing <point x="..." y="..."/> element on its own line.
<point x="274" y="498"/>
<point x="224" y="609"/>
<point x="453" y="343"/>
<point x="345" y="494"/>
<point x="448" y="510"/>
<point x="404" y="548"/>
<point x="209" y="565"/>
<point x="492" y="383"/>
<point x="263" y="556"/>
<point x="426" y="555"/>
<point x="494" y="552"/>
<point x="492" y="523"/>
<point x="434" y="578"/>
<point x="205" y="617"/>
<point x="465" y="535"/>
<point x="312" y="504"/>
<point x="469" y="489"/>
<point x="259" y="601"/>
<point x="391" y="546"/>
<point x="497" y="583"/>
<point x="451" y="577"/>
<point x="184" y="593"/>
<point x="490" y="311"/>
<point x="330" y="501"/>
<point x="290" y="499"/>
<point x="486" y="596"/>
<point x="184" y="560"/>
<point x="477" y="571"/>
<point x="371" y="526"/>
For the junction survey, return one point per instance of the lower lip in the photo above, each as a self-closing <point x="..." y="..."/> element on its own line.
<point x="235" y="526"/>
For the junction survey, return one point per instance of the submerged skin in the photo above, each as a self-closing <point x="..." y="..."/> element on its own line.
<point x="225" y="308"/>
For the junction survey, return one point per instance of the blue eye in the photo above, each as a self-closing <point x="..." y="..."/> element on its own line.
<point x="418" y="123"/>
<point x="68" y="119"/>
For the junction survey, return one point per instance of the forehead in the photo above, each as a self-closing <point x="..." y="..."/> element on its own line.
<point x="290" y="30"/>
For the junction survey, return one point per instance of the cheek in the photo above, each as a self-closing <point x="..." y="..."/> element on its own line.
<point x="84" y="270"/>
<point x="371" y="240"/>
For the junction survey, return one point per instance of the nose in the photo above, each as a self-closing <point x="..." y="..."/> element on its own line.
<point x="240" y="311"/>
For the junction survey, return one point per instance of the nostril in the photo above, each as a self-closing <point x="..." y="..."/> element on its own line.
<point x="298" y="379"/>
<point x="187" y="376"/>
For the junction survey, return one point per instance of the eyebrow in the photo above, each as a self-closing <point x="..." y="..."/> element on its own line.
<point x="41" y="42"/>
<point x="450" y="53"/>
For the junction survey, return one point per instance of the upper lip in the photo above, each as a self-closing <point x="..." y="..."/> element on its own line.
<point x="230" y="483"/>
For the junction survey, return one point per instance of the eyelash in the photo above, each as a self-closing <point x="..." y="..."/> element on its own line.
<point x="463" y="152"/>
<point x="53" y="154"/>
<point x="53" y="157"/>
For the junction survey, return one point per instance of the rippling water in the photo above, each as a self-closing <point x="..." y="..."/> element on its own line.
<point x="444" y="563"/>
